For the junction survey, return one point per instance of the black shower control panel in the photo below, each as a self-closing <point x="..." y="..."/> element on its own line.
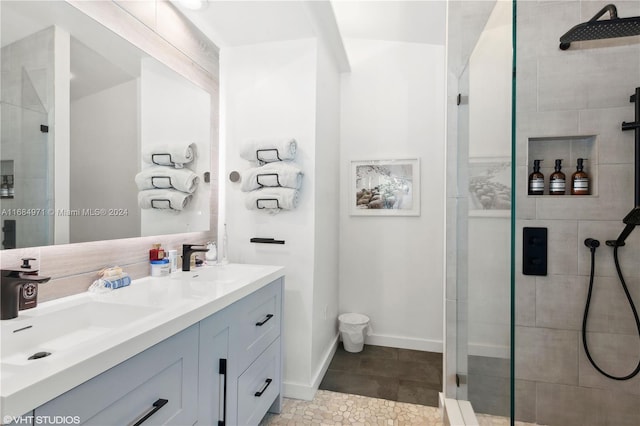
<point x="534" y="251"/>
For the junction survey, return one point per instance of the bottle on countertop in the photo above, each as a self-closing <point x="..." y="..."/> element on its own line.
<point x="536" y="180"/>
<point x="156" y="253"/>
<point x="580" y="180"/>
<point x="557" y="180"/>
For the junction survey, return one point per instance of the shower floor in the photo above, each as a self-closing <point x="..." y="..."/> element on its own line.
<point x="392" y="374"/>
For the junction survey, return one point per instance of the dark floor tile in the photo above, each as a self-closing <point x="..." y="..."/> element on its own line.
<point x="417" y="393"/>
<point x="344" y="361"/>
<point x="405" y="370"/>
<point x="358" y="384"/>
<point x="382" y="352"/>
<point x="434" y="358"/>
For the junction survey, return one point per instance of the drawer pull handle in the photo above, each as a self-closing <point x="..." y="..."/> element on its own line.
<point x="267" y="383"/>
<point x="156" y="406"/>
<point x="261" y="323"/>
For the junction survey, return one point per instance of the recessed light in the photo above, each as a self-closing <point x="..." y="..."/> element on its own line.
<point x="194" y="4"/>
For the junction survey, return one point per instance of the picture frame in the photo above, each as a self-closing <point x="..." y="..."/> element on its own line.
<point x="490" y="187"/>
<point x="389" y="187"/>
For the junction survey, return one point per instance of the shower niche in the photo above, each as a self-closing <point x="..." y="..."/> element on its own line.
<point x="568" y="149"/>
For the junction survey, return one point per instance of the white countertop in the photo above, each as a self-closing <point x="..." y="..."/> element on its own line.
<point x="166" y="306"/>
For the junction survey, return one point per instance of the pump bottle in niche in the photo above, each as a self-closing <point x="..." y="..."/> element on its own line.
<point x="557" y="180"/>
<point x="536" y="180"/>
<point x="580" y="180"/>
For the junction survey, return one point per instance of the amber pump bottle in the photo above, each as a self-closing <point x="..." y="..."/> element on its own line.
<point x="557" y="180"/>
<point x="536" y="180"/>
<point x="580" y="180"/>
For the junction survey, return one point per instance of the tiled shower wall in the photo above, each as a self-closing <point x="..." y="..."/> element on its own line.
<point x="583" y="91"/>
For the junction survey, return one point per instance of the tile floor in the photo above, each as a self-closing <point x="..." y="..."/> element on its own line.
<point x="378" y="386"/>
<point x="393" y="374"/>
<point x="333" y="408"/>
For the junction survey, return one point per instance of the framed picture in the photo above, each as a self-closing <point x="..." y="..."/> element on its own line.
<point x="490" y="187"/>
<point x="385" y="188"/>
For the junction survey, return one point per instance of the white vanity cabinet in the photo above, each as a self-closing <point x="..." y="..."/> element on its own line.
<point x="224" y="370"/>
<point x="240" y="360"/>
<point x="156" y="387"/>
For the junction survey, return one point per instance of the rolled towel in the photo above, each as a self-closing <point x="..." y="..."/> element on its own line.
<point x="170" y="155"/>
<point x="281" y="173"/>
<point x="268" y="150"/>
<point x="160" y="177"/>
<point x="272" y="199"/>
<point x="163" y="199"/>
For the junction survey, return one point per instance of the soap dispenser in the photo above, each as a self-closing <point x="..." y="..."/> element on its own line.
<point x="536" y="180"/>
<point x="580" y="180"/>
<point x="557" y="180"/>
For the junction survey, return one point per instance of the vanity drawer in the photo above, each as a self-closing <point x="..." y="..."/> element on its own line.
<point x="259" y="386"/>
<point x="258" y="323"/>
<point x="124" y="394"/>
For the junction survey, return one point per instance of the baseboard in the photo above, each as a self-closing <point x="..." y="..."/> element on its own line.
<point x="404" y="342"/>
<point x="308" y="392"/>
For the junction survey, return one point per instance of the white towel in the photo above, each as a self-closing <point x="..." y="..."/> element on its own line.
<point x="160" y="177"/>
<point x="170" y="155"/>
<point x="268" y="150"/>
<point x="281" y="173"/>
<point x="270" y="199"/>
<point x="163" y="199"/>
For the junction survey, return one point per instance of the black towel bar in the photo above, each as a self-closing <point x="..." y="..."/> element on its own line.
<point x="266" y="240"/>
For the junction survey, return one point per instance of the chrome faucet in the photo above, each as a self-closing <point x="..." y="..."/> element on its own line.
<point x="11" y="280"/>
<point x="187" y="251"/>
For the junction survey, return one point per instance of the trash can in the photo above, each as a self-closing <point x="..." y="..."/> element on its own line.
<point x="352" y="328"/>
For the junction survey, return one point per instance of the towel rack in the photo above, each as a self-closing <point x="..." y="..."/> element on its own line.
<point x="153" y="205"/>
<point x="153" y="159"/>
<point x="262" y="185"/>
<point x="267" y="199"/>
<point x="161" y="177"/>
<point x="258" y="151"/>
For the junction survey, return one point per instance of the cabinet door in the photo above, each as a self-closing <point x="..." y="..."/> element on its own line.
<point x="259" y="386"/>
<point x="213" y="403"/>
<point x="158" y="386"/>
<point x="256" y="323"/>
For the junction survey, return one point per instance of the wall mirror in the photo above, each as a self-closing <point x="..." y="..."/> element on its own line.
<point x="83" y="112"/>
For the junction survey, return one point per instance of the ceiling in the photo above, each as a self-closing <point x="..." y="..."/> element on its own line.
<point x="235" y="23"/>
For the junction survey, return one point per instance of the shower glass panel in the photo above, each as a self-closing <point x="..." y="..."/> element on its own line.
<point x="26" y="144"/>
<point x="479" y="286"/>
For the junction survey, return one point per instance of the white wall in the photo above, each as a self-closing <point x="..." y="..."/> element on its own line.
<point x="392" y="268"/>
<point x="327" y="208"/>
<point x="269" y="89"/>
<point x="95" y="148"/>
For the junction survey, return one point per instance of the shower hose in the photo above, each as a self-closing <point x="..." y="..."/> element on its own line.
<point x="586" y="312"/>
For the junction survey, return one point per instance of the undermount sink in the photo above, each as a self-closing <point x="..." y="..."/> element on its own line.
<point x="62" y="327"/>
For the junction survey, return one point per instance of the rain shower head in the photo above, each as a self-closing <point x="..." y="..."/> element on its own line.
<point x="594" y="29"/>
